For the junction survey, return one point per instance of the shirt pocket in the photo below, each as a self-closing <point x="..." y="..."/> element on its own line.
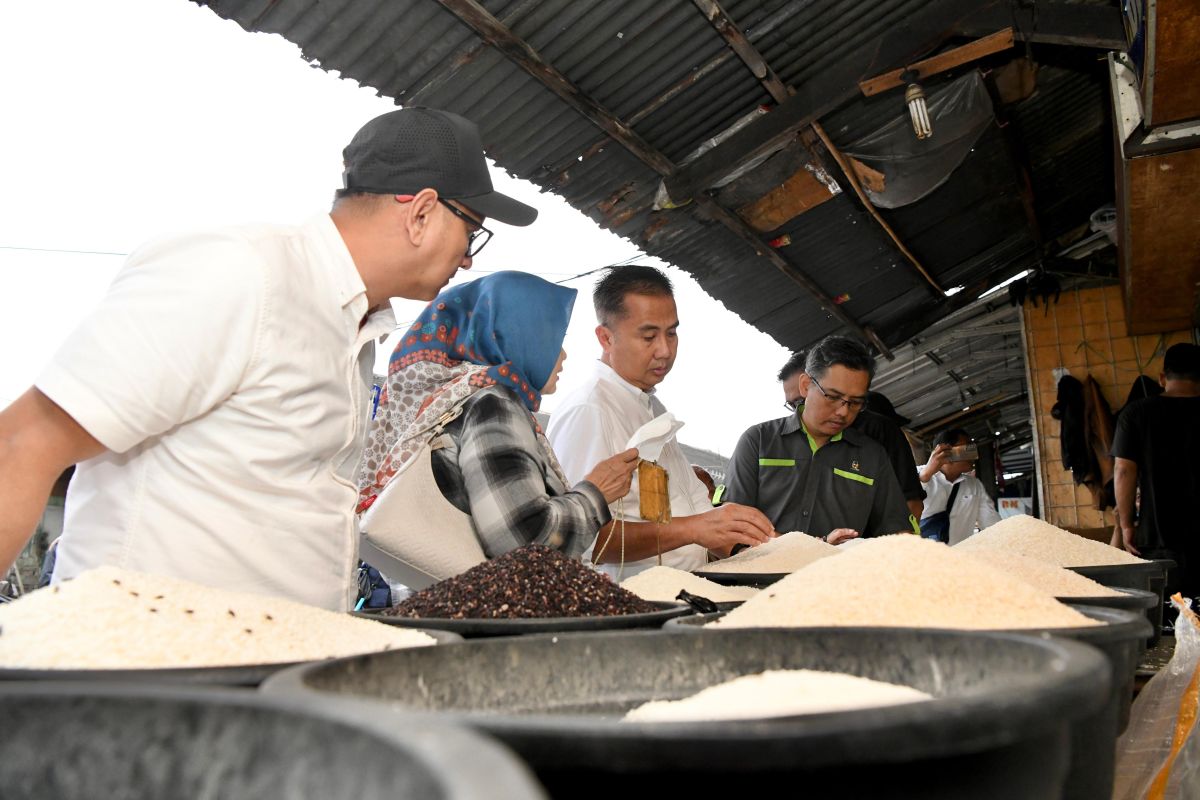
<point x="862" y="480"/>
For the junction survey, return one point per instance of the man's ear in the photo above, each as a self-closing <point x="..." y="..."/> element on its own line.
<point x="604" y="336"/>
<point x="420" y="215"/>
<point x="805" y="384"/>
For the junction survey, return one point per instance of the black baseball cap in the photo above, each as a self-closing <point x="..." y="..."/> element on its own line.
<point x="405" y="151"/>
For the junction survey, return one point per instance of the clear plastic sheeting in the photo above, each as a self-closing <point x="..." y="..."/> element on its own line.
<point x="1158" y="756"/>
<point x="959" y="113"/>
<point x="663" y="200"/>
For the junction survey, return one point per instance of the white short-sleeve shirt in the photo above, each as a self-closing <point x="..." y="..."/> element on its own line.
<point x="594" y="422"/>
<point x="229" y="375"/>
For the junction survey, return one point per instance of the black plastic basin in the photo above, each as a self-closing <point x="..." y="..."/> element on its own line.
<point x="1093" y="739"/>
<point x="1150" y="576"/>
<point x="80" y="742"/>
<point x="997" y="728"/>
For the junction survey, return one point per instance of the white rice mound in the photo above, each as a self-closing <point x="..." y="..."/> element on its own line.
<point x="903" y="581"/>
<point x="1030" y="536"/>
<point x="662" y="584"/>
<point x="777" y="693"/>
<point x="785" y="553"/>
<point x="110" y="618"/>
<point x="1050" y="578"/>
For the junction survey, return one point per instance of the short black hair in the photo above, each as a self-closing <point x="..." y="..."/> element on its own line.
<point x="951" y="436"/>
<point x="609" y="294"/>
<point x="359" y="201"/>
<point x="839" y="350"/>
<point x="794" y="365"/>
<point x="1182" y="362"/>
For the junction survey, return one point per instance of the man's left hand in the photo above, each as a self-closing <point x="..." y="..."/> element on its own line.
<point x="839" y="535"/>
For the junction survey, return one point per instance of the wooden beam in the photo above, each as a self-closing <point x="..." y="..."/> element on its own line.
<point x="1072" y="24"/>
<point x="988" y="45"/>
<point x="837" y="85"/>
<point x="736" y="224"/>
<point x="768" y="213"/>
<point x="495" y="33"/>
<point x="562" y="172"/>
<point x="746" y="51"/>
<point x="973" y="409"/>
<point x="852" y="179"/>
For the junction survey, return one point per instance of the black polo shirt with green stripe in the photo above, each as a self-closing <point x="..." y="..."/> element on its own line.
<point x="848" y="483"/>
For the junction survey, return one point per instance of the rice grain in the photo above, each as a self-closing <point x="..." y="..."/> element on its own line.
<point x="662" y="584"/>
<point x="903" y="581"/>
<point x="778" y="693"/>
<point x="785" y="553"/>
<point x="110" y="618"/>
<point x="1030" y="536"/>
<point x="1050" y="578"/>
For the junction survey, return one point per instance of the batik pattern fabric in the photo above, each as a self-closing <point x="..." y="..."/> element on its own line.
<point x="505" y="329"/>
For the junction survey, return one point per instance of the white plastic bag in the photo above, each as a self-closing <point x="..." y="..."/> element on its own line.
<point x="1158" y="756"/>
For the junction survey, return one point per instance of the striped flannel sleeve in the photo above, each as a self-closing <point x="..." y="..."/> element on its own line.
<point x="505" y="475"/>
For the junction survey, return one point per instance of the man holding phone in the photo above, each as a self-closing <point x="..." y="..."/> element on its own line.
<point x="955" y="500"/>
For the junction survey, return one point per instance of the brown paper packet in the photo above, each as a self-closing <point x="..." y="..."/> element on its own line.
<point x="654" y="497"/>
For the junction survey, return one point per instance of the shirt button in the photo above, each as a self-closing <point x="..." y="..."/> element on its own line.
<point x="805" y="513"/>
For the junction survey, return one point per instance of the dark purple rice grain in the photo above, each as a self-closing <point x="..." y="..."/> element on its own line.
<point x="531" y="582"/>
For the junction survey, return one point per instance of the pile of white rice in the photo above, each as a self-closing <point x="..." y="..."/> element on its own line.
<point x="903" y="581"/>
<point x="1030" y="536"/>
<point x="109" y="618"/>
<point x="1050" y="578"/>
<point x="662" y="584"/>
<point x="786" y="553"/>
<point x="777" y="693"/>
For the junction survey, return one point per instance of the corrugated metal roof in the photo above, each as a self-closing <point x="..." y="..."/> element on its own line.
<point x="659" y="66"/>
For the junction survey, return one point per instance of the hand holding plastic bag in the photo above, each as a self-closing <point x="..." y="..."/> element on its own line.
<point x="1158" y="756"/>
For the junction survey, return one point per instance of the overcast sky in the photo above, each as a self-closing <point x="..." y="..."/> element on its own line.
<point x="128" y="119"/>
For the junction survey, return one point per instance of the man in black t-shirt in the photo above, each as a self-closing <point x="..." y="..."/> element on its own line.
<point x="1157" y="450"/>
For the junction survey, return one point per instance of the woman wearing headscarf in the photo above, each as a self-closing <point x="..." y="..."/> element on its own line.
<point x="468" y="376"/>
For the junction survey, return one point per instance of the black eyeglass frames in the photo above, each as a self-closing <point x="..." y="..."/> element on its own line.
<point x="478" y="236"/>
<point x="853" y="404"/>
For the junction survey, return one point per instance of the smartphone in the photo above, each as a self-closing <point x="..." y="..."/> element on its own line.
<point x="964" y="452"/>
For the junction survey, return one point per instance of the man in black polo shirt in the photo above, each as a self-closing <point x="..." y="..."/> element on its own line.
<point x="1157" y="450"/>
<point x="810" y="471"/>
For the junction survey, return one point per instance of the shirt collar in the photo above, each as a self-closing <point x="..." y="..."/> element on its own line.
<point x="605" y="372"/>
<point x="331" y="248"/>
<point x="793" y="424"/>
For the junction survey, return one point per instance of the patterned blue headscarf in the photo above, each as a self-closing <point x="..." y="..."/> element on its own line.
<point x="513" y="323"/>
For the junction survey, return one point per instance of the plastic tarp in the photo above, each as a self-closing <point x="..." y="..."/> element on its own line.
<point x="959" y="112"/>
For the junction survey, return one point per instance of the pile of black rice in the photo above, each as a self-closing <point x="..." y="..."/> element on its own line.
<point x="531" y="582"/>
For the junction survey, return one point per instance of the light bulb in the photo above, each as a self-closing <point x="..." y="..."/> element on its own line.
<point x="914" y="95"/>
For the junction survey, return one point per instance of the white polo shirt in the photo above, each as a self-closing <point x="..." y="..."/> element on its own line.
<point x="227" y="374"/>
<point x="594" y="422"/>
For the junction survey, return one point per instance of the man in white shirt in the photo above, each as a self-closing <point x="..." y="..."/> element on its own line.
<point x="638" y="335"/>
<point x="949" y="485"/>
<point x="216" y="401"/>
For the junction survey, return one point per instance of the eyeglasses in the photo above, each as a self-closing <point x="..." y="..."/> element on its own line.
<point x="791" y="405"/>
<point x="855" y="404"/>
<point x="477" y="237"/>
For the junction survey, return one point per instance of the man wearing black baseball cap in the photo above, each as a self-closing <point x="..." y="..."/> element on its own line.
<point x="214" y="404"/>
<point x="415" y="182"/>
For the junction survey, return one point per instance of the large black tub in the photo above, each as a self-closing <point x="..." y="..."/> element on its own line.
<point x="997" y="728"/>
<point x="1150" y="576"/>
<point x="79" y="742"/>
<point x="1093" y="738"/>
